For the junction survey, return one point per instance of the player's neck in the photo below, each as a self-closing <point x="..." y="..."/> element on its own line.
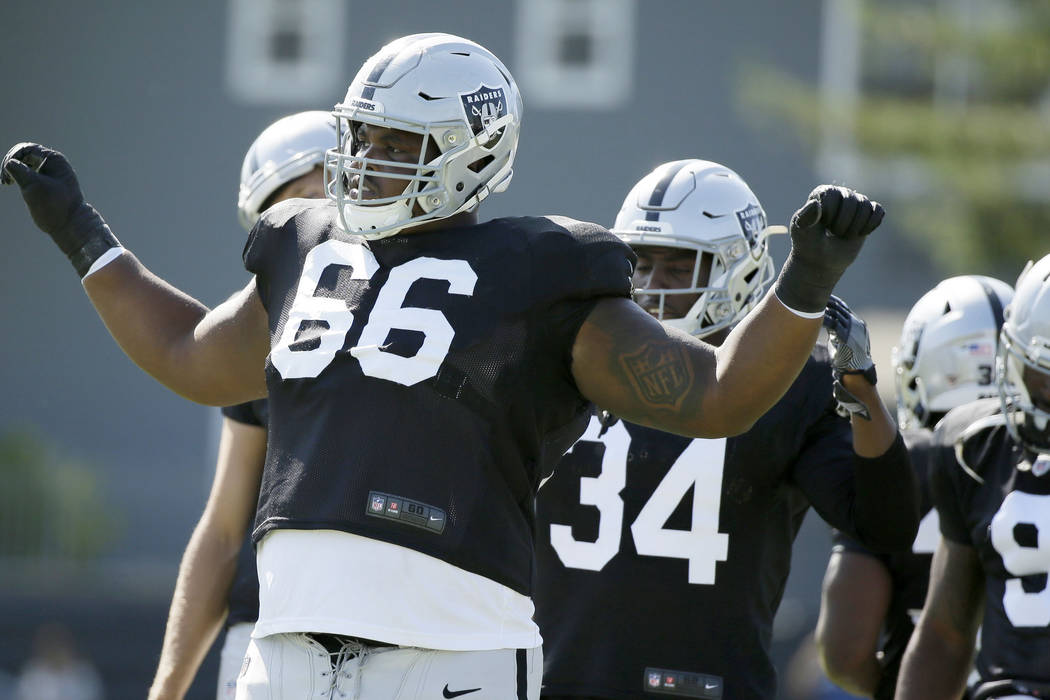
<point x="466" y="218"/>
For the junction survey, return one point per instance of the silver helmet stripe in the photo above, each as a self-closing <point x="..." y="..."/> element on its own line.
<point x="996" y="303"/>
<point x="657" y="197"/>
<point x="377" y="72"/>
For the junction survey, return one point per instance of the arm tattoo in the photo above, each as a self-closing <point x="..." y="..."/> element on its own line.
<point x="660" y="373"/>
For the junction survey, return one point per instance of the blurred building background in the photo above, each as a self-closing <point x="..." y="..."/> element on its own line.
<point x="938" y="108"/>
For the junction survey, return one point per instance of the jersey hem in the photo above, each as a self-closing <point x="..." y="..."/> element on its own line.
<point x="275" y="524"/>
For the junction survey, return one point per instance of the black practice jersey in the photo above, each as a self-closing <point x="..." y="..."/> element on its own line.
<point x="243" y="601"/>
<point x="909" y="571"/>
<point x="995" y="497"/>
<point x="419" y="384"/>
<point x="661" y="560"/>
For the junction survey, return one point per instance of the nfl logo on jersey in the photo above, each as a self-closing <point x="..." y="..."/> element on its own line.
<point x="1042" y="465"/>
<point x="377" y="503"/>
<point x="654" y="680"/>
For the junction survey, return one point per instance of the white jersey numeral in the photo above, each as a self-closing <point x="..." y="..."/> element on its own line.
<point x="1032" y="513"/>
<point x="387" y="314"/>
<point x="699" y="467"/>
<point x="602" y="491"/>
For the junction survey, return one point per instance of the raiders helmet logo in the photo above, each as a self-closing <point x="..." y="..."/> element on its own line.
<point x="483" y="107"/>
<point x="752" y="221"/>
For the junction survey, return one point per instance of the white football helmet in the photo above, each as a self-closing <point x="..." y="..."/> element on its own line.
<point x="1025" y="343"/>
<point x="460" y="98"/>
<point x="290" y="147"/>
<point x="705" y="207"/>
<point x="946" y="353"/>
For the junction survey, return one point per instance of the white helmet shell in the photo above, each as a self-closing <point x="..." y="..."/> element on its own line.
<point x="946" y="353"/>
<point x="704" y="207"/>
<point x="1025" y="343"/>
<point x="460" y="98"/>
<point x="289" y="148"/>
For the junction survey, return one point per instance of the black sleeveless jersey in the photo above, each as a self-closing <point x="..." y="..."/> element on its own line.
<point x="994" y="496"/>
<point x="243" y="602"/>
<point x="909" y="571"/>
<point x="419" y="384"/>
<point x="661" y="560"/>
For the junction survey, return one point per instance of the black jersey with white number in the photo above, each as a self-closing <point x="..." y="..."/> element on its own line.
<point x="661" y="560"/>
<point x="419" y="383"/>
<point x="995" y="497"/>
<point x="909" y="571"/>
<point x="243" y="602"/>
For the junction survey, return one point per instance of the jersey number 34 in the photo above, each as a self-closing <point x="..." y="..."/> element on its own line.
<point x="699" y="466"/>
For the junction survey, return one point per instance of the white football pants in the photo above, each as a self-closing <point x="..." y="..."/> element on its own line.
<point x="297" y="667"/>
<point x="231" y="658"/>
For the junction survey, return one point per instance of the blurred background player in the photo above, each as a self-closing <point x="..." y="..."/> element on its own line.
<point x="216" y="578"/>
<point x="57" y="670"/>
<point x="661" y="559"/>
<point x="871" y="600"/>
<point x="990" y="485"/>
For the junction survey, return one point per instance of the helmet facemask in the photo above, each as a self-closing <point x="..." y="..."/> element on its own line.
<point x="728" y="279"/>
<point x="1027" y="422"/>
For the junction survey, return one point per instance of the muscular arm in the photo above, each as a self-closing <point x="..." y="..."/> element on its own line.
<point x="871" y="438"/>
<point x="940" y="652"/>
<point x="198" y="606"/>
<point x="628" y="363"/>
<point x="854" y="602"/>
<point x="213" y="357"/>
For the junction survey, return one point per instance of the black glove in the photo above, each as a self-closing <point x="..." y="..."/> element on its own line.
<point x="51" y="191"/>
<point x="826" y="235"/>
<point x="851" y="354"/>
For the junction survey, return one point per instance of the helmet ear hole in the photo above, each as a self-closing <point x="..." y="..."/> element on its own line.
<point x="479" y="165"/>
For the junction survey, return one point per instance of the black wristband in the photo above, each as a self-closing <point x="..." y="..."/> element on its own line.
<point x="85" y="256"/>
<point x="85" y="238"/>
<point x="803" y="289"/>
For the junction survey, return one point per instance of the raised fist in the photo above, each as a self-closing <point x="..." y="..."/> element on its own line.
<point x="827" y="232"/>
<point x="51" y="192"/>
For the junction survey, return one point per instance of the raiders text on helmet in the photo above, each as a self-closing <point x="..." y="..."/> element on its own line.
<point x="705" y="207"/>
<point x="1025" y="344"/>
<point x="465" y="105"/>
<point x="287" y="149"/>
<point x="946" y="353"/>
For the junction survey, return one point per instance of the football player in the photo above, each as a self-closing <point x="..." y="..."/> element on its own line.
<point x="424" y="369"/>
<point x="990" y="486"/>
<point x="870" y="600"/>
<point x="661" y="559"/>
<point x="216" y="580"/>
